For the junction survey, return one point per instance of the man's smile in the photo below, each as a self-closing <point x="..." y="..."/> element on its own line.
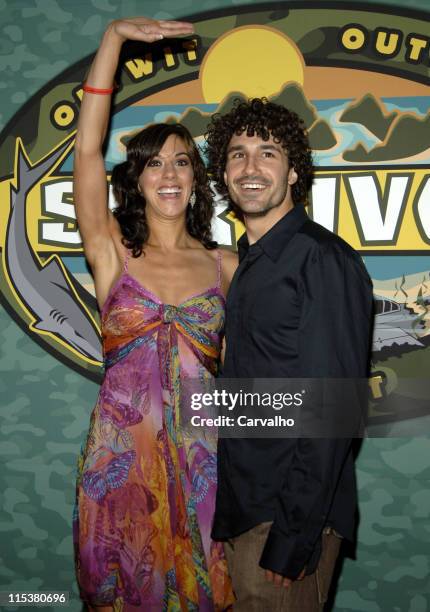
<point x="253" y="186"/>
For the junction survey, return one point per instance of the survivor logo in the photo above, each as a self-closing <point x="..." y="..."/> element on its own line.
<point x="360" y="91"/>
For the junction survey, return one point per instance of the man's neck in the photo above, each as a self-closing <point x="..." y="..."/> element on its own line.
<point x="256" y="227"/>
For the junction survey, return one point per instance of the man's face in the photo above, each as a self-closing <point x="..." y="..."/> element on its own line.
<point x="258" y="175"/>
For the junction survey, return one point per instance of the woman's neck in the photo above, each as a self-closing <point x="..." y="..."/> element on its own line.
<point x="168" y="234"/>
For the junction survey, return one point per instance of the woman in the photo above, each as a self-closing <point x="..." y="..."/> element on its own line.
<point x="145" y="496"/>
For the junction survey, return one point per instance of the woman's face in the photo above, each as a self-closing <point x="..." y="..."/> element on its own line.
<point x="167" y="180"/>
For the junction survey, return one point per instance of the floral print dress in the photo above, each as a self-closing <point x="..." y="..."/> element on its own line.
<point x="145" y="495"/>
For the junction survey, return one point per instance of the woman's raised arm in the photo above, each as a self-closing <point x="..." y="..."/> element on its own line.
<point x="90" y="188"/>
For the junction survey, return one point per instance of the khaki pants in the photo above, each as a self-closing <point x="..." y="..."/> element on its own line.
<point x="255" y="594"/>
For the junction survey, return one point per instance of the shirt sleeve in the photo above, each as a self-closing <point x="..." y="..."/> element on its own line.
<point x="334" y="342"/>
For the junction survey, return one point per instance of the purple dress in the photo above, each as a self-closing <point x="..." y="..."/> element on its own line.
<point x="145" y="491"/>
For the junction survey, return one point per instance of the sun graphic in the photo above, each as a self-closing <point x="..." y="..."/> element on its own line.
<point x="254" y="60"/>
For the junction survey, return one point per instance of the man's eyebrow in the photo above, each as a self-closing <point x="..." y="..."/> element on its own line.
<point x="271" y="147"/>
<point x="235" y="148"/>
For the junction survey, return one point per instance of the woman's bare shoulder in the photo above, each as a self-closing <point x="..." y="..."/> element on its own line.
<point x="230" y="262"/>
<point x="229" y="258"/>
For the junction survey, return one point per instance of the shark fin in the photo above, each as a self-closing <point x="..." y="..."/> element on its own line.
<point x="42" y="326"/>
<point x="29" y="174"/>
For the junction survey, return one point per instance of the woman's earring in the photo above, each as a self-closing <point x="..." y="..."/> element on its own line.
<point x="192" y="200"/>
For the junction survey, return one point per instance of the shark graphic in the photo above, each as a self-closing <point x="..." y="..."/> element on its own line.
<point x="45" y="289"/>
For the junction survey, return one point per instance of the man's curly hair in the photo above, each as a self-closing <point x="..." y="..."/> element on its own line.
<point x="263" y="118"/>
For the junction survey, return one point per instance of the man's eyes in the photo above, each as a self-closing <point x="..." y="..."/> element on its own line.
<point x="240" y="154"/>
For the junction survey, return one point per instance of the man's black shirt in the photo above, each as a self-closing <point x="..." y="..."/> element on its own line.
<point x="299" y="306"/>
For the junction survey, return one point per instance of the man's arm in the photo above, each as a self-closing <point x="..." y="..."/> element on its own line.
<point x="334" y="342"/>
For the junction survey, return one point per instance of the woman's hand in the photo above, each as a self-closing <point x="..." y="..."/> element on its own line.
<point x="90" y="193"/>
<point x="149" y="30"/>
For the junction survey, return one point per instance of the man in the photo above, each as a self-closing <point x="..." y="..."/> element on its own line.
<point x="299" y="306"/>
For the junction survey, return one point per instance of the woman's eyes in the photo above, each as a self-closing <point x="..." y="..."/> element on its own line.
<point x="154" y="163"/>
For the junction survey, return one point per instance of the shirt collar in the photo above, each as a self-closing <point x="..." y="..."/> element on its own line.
<point x="276" y="239"/>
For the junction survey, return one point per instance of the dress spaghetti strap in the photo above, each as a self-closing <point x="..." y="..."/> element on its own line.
<point x="219" y="268"/>
<point x="126" y="258"/>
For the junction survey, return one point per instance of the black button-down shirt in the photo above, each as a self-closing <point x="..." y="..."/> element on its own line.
<point x="299" y="306"/>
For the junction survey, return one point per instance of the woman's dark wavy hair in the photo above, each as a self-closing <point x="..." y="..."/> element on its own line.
<point x="130" y="212"/>
<point x="263" y="118"/>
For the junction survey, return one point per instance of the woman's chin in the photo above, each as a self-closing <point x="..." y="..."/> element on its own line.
<point x="171" y="210"/>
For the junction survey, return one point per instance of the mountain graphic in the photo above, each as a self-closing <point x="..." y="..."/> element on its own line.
<point x="371" y="114"/>
<point x="321" y="136"/>
<point x="408" y="135"/>
<point x="292" y="97"/>
<point x="197" y="121"/>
